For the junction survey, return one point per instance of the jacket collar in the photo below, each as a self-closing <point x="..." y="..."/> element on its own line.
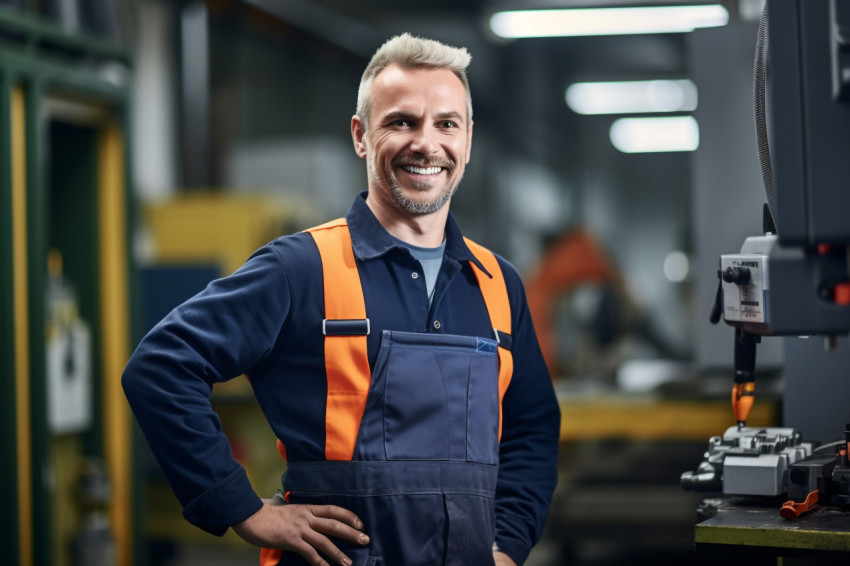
<point x="370" y="239"/>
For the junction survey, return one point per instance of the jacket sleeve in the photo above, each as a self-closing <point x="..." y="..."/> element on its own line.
<point x="528" y="450"/>
<point x="214" y="336"/>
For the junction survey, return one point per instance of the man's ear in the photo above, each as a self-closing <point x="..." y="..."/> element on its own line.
<point x="469" y="143"/>
<point x="357" y="136"/>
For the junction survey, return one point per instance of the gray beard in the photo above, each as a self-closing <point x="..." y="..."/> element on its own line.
<point x="420" y="208"/>
<point x="405" y="204"/>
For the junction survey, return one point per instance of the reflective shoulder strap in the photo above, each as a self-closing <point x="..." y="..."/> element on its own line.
<point x="495" y="294"/>
<point x="346" y="356"/>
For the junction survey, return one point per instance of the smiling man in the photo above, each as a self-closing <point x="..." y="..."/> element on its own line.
<point x="394" y="359"/>
<point x="418" y="145"/>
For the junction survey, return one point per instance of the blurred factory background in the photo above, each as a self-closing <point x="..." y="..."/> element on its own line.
<point x="149" y="146"/>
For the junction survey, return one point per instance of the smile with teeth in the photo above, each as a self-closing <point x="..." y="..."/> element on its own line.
<point x="422" y="170"/>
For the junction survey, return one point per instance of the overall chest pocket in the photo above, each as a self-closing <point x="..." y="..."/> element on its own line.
<point x="433" y="397"/>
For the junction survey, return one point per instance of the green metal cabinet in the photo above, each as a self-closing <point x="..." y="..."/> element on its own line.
<point x="64" y="185"/>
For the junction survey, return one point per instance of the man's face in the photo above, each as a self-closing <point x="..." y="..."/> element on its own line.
<point x="419" y="139"/>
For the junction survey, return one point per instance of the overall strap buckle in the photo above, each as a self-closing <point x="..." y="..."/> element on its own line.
<point x="346" y="327"/>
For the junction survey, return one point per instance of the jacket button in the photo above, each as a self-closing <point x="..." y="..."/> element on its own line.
<point x="414" y="275"/>
<point x="437" y="325"/>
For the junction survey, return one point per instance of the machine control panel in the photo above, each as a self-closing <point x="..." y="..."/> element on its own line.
<point x="745" y="287"/>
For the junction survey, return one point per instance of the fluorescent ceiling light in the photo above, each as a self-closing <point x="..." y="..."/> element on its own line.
<point x="607" y="21"/>
<point x="632" y="97"/>
<point x="647" y="135"/>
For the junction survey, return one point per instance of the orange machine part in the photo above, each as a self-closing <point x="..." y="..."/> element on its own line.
<point x="572" y="261"/>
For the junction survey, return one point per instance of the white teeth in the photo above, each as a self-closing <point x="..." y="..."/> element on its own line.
<point x="422" y="170"/>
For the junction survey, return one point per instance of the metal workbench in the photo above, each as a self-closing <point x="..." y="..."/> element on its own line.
<point x="748" y="525"/>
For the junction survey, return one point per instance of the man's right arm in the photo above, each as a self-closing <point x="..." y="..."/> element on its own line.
<point x="216" y="335"/>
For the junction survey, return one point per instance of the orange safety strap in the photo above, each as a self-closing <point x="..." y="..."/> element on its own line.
<point x="495" y="293"/>
<point x="346" y="357"/>
<point x="270" y="556"/>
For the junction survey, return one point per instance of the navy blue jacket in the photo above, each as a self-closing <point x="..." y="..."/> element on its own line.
<point x="265" y="321"/>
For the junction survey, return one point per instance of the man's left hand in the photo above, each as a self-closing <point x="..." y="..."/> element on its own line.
<point x="502" y="559"/>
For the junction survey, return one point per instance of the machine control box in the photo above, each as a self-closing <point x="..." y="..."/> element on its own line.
<point x="745" y="287"/>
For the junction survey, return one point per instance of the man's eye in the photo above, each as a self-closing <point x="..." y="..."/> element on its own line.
<point x="448" y="124"/>
<point x="401" y="123"/>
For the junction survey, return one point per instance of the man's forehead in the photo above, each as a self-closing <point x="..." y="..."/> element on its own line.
<point x="396" y="86"/>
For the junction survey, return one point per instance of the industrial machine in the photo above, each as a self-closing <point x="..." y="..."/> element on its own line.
<point x="793" y="280"/>
<point x="749" y="461"/>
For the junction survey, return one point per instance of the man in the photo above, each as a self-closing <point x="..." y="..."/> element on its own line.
<point x="395" y="361"/>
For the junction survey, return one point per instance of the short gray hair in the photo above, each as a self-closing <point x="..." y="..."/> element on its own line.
<point x="411" y="52"/>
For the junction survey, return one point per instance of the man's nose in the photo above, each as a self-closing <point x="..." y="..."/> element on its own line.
<point x="424" y="141"/>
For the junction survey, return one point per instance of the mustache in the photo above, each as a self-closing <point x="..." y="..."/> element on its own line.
<point x="418" y="161"/>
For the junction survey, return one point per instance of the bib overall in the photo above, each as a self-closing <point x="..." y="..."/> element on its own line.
<point x="412" y="446"/>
